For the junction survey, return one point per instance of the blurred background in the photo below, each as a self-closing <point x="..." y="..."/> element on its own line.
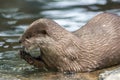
<point x="16" y="15"/>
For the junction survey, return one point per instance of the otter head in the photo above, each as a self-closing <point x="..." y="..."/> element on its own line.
<point x="40" y="34"/>
<point x="35" y="30"/>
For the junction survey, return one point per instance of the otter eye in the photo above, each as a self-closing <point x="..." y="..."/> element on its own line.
<point x="28" y="36"/>
<point x="43" y="32"/>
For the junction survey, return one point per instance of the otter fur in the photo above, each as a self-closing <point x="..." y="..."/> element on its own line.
<point x="94" y="46"/>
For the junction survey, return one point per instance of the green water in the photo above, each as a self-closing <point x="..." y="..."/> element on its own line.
<point x="16" y="15"/>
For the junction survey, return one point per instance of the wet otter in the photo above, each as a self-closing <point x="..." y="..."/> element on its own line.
<point x="96" y="45"/>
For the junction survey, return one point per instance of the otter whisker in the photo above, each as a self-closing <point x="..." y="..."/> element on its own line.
<point x="28" y="41"/>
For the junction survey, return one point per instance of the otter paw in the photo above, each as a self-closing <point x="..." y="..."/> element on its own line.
<point x="31" y="60"/>
<point x="26" y="56"/>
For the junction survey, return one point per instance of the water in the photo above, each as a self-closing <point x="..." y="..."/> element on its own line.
<point x="16" y="15"/>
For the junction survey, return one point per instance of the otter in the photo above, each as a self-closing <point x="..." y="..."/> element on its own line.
<point x="94" y="46"/>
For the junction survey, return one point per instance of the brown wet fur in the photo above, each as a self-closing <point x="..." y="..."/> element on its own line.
<point x="95" y="46"/>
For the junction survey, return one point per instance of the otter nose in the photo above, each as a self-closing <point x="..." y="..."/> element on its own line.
<point x="20" y="41"/>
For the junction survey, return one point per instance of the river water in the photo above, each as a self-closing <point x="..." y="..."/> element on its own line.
<point x="16" y="15"/>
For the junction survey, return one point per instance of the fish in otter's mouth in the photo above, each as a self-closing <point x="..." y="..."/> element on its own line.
<point x="32" y="60"/>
